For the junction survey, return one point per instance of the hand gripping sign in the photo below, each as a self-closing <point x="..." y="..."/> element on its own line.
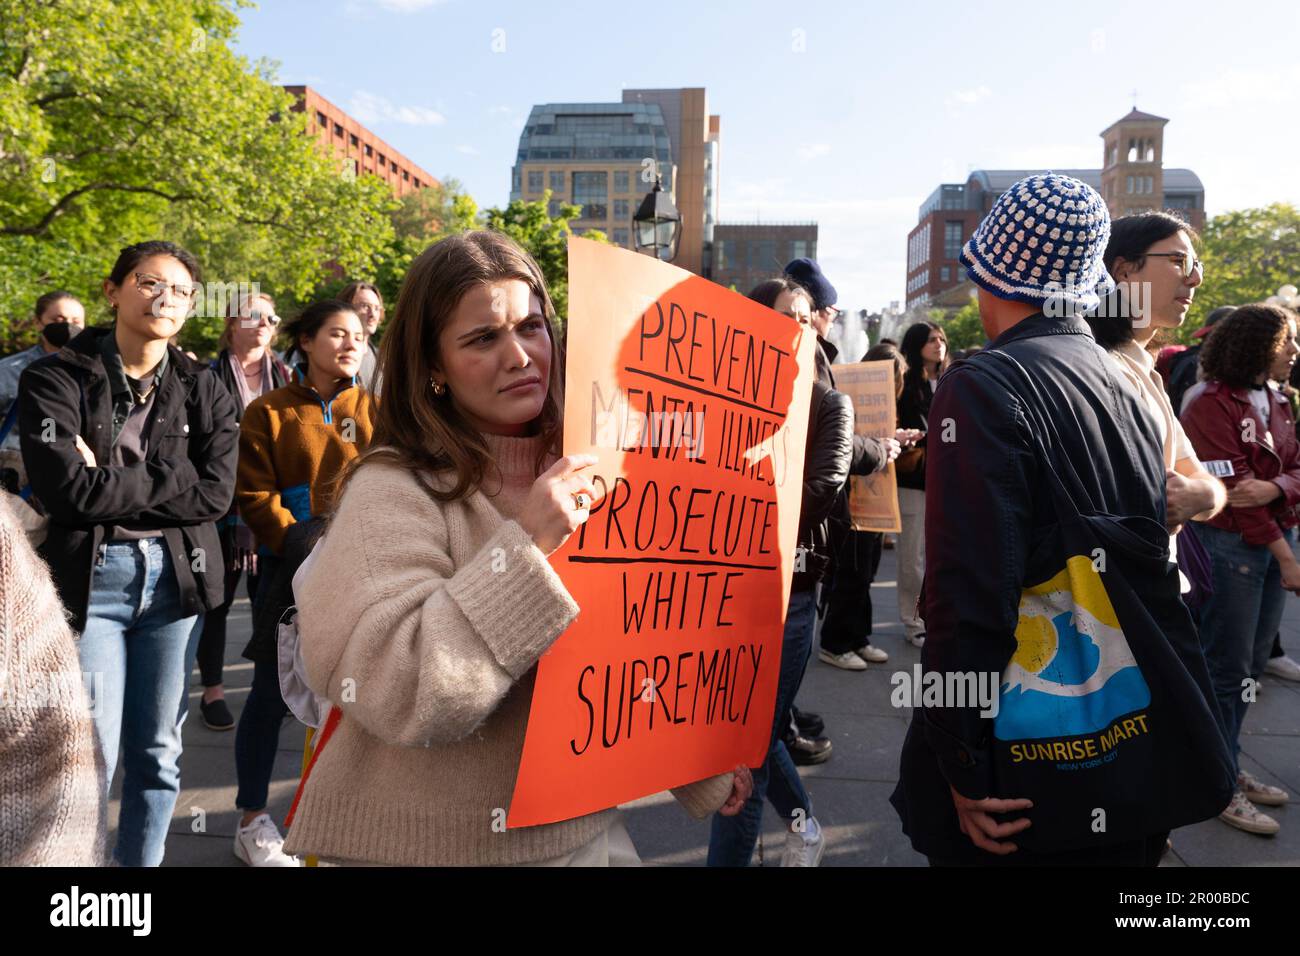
<point x="695" y="400"/>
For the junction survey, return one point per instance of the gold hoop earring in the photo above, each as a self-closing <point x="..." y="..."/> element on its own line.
<point x="438" y="389"/>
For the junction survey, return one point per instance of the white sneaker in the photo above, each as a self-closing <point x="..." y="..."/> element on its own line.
<point x="849" y="661"/>
<point x="1284" y="667"/>
<point x="1244" y="815"/>
<point x="872" y="654"/>
<point x="1264" y="794"/>
<point x="260" y="844"/>
<point x="804" y="849"/>
<point x="916" y="640"/>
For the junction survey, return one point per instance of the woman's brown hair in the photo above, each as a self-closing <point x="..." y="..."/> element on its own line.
<point x="418" y="430"/>
<point x="1241" y="346"/>
<point x="888" y="351"/>
<point x="349" y="292"/>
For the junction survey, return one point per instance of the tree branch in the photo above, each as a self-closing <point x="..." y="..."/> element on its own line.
<point x="43" y="224"/>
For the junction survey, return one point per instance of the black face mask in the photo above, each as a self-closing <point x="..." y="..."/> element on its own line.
<point x="58" y="334"/>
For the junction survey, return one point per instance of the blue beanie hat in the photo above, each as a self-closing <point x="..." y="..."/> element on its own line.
<point x="808" y="274"/>
<point x="1043" y="243"/>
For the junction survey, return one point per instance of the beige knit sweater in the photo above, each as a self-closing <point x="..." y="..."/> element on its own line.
<point x="52" y="791"/>
<point x="424" y="623"/>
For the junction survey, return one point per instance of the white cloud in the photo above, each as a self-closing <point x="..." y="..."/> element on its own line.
<point x="969" y="97"/>
<point x="364" y="7"/>
<point x="742" y="191"/>
<point x="813" y="150"/>
<point x="371" y="108"/>
<point x="466" y="149"/>
<point x="1249" y="88"/>
<point x="501" y="111"/>
<point x="1053" y="156"/>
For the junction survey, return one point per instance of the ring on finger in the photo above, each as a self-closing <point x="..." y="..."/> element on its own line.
<point x="580" y="501"/>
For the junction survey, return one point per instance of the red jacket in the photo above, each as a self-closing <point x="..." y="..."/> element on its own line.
<point x="1217" y="423"/>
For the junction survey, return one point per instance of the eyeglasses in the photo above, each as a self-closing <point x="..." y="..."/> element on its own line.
<point x="367" y="308"/>
<point x="1186" y="261"/>
<point x="154" y="286"/>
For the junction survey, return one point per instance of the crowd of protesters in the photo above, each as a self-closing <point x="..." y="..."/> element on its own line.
<point x="402" y="455"/>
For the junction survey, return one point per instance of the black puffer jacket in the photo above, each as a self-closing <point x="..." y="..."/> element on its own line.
<point x="828" y="455"/>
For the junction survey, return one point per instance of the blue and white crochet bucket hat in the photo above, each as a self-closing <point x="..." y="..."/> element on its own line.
<point x="1042" y="244"/>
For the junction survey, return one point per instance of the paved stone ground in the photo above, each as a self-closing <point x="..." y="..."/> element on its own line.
<point x="850" y="791"/>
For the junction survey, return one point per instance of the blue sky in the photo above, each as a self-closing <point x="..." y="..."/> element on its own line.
<point x="849" y="113"/>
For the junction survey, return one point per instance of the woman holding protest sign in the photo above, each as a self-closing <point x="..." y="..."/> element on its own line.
<point x="425" y="607"/>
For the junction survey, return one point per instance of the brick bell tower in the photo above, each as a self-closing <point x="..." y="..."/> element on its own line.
<point x="1132" y="180"/>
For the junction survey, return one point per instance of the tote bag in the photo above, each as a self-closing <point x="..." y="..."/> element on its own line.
<point x="1105" y="716"/>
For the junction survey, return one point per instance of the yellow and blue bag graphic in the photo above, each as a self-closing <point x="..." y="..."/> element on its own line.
<point x="1072" y="673"/>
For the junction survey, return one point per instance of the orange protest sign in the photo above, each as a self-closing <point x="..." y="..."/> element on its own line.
<point x="873" y="499"/>
<point x="695" y="400"/>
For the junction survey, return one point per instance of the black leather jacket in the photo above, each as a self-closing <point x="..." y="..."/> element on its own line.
<point x="828" y="455"/>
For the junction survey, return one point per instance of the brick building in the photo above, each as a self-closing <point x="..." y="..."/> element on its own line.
<point x="1132" y="176"/>
<point x="746" y="253"/>
<point x="348" y="139"/>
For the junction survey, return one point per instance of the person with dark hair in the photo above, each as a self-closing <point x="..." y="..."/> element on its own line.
<point x="807" y="273"/>
<point x="925" y="350"/>
<point x="1152" y="258"/>
<point x="59" y="316"/>
<point x="1047" y="571"/>
<point x="1185" y="369"/>
<point x="249" y="369"/>
<point x="430" y="591"/>
<point x="1243" y="428"/>
<point x="846" y="627"/>
<point x="140" y="467"/>
<point x="826" y="468"/>
<point x="804" y="736"/>
<point x="364" y="297"/>
<point x="295" y="443"/>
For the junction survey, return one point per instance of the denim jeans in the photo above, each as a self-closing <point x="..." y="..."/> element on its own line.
<point x="1239" y="620"/>
<point x="137" y="648"/>
<point x="258" y="736"/>
<point x="732" y="839"/>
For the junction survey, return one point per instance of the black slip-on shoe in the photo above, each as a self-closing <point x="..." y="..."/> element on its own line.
<point x="216" y="715"/>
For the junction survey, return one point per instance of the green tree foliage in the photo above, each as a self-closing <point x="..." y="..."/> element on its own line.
<point x="964" y="328"/>
<point x="546" y="238"/>
<point x="431" y="214"/>
<point x="1248" y="254"/>
<point x="133" y="119"/>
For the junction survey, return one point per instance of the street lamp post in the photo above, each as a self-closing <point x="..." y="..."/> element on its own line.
<point x="657" y="224"/>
